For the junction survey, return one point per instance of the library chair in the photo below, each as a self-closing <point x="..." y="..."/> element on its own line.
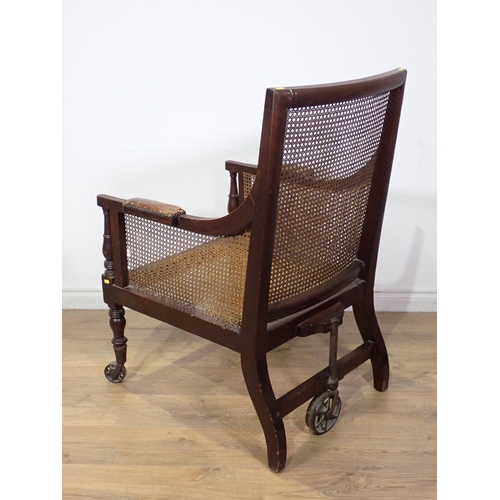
<point x="298" y="246"/>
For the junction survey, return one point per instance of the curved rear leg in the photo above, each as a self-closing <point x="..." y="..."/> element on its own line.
<point x="259" y="387"/>
<point x="364" y="313"/>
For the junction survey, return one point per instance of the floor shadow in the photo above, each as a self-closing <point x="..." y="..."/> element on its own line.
<point x="186" y="386"/>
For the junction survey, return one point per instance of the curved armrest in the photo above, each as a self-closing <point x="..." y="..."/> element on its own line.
<point x="305" y="176"/>
<point x="234" y="223"/>
<point x="142" y="206"/>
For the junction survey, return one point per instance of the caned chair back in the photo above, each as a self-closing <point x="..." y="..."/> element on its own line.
<point x="326" y="146"/>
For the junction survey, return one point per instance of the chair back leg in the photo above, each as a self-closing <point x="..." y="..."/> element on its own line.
<point x="364" y="313"/>
<point x="256" y="375"/>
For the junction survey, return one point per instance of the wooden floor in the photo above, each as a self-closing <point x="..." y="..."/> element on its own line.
<point x="182" y="427"/>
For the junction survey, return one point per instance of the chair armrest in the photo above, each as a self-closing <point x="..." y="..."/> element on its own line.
<point x="112" y="203"/>
<point x="238" y="167"/>
<point x="114" y="240"/>
<point x="156" y="209"/>
<point x="305" y="176"/>
<point x="246" y="173"/>
<point x="234" y="223"/>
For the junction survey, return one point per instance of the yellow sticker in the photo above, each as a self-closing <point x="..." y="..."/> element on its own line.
<point x="106" y="281"/>
<point x="280" y="88"/>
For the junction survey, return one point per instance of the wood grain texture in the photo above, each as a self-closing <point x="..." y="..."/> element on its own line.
<point x="182" y="426"/>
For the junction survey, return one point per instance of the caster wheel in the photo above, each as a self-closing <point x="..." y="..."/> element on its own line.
<point x="323" y="412"/>
<point x="115" y="373"/>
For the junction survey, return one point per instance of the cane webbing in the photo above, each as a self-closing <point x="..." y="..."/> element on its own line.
<point x="328" y="159"/>
<point x="248" y="180"/>
<point x="189" y="271"/>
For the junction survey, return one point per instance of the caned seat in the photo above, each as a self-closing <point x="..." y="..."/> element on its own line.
<point x="298" y="246"/>
<point x="204" y="275"/>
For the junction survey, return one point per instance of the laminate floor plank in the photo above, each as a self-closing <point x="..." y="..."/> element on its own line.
<point x="181" y="426"/>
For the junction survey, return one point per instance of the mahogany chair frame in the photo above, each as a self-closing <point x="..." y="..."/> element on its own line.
<point x="264" y="328"/>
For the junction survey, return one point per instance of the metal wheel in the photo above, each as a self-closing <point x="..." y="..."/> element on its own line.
<point x="323" y="412"/>
<point x="115" y="373"/>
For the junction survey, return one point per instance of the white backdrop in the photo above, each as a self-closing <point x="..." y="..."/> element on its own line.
<point x="152" y="108"/>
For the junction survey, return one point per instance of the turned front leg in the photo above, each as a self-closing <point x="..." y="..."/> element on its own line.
<point x="117" y="323"/>
<point x="114" y="372"/>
